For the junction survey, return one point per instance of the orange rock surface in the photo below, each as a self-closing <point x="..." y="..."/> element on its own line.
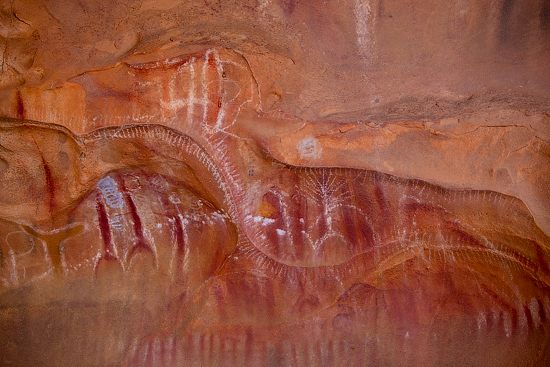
<point x="275" y="183"/>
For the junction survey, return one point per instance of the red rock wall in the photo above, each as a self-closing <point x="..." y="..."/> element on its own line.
<point x="275" y="183"/>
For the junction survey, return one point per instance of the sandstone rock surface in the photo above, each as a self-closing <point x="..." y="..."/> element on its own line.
<point x="275" y="183"/>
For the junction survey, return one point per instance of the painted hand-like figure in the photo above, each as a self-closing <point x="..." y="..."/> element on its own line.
<point x="188" y="243"/>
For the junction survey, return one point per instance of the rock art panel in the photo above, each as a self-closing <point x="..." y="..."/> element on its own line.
<point x="168" y="203"/>
<point x="195" y="242"/>
<point x="190" y="84"/>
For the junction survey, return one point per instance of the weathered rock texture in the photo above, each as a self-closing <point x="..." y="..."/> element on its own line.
<point x="275" y="183"/>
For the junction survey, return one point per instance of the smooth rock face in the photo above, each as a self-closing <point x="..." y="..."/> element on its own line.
<point x="275" y="183"/>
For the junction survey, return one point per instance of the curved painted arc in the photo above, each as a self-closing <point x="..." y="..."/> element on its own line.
<point x="434" y="197"/>
<point x="164" y="141"/>
<point x="167" y="142"/>
<point x="422" y="190"/>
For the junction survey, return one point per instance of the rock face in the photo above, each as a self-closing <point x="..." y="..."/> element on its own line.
<point x="275" y="183"/>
